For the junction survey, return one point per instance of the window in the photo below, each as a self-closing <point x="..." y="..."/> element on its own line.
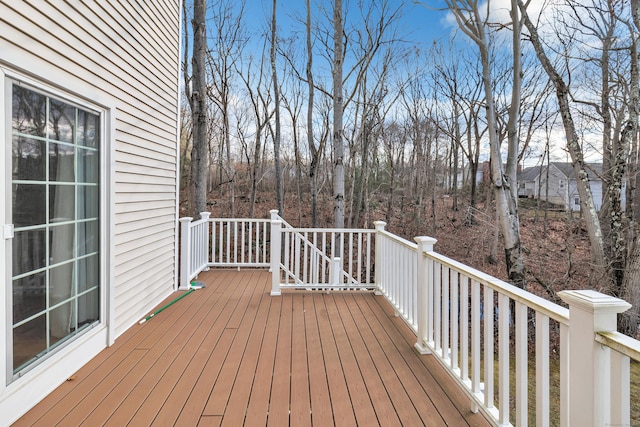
<point x="576" y="201"/>
<point x="55" y="209"/>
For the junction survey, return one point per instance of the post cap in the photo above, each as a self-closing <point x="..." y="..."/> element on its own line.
<point x="425" y="239"/>
<point x="593" y="301"/>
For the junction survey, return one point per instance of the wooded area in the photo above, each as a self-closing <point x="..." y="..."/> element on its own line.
<point x="343" y="117"/>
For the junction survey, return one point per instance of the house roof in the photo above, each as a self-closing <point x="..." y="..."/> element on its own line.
<point x="594" y="170"/>
<point x="529" y="174"/>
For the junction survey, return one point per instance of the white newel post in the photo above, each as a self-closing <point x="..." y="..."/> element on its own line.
<point x="185" y="252"/>
<point x="589" y="373"/>
<point x="274" y="217"/>
<point x="378" y="255"/>
<point x="336" y="269"/>
<point x="276" y="226"/>
<point x="204" y="216"/>
<point x="425" y="294"/>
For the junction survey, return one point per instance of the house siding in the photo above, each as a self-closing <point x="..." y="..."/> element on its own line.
<point x="124" y="57"/>
<point x="557" y="193"/>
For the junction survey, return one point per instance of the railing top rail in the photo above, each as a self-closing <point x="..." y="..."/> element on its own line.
<point x="548" y="308"/>
<point x="329" y="230"/>
<point x="192" y="223"/>
<point x="241" y="219"/>
<point x="398" y="239"/>
<point x="285" y="224"/>
<point x="620" y="343"/>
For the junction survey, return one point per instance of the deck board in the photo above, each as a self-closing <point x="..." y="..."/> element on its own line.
<point x="363" y="408"/>
<point x="321" y="412"/>
<point x="376" y="390"/>
<point x="231" y="355"/>
<point x="342" y="406"/>
<point x="155" y="376"/>
<point x="393" y="384"/>
<point x="281" y="384"/>
<point x="300" y="391"/>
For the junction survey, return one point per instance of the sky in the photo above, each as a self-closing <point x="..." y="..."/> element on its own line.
<point x="422" y="23"/>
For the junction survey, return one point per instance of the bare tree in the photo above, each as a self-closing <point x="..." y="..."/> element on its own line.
<point x="276" y="97"/>
<point x="315" y="151"/>
<point x="503" y="179"/>
<point x="574" y="148"/>
<point x="338" y="143"/>
<point x="292" y="95"/>
<point x="630" y="287"/>
<point x="198" y="99"/>
<point x="258" y="95"/>
<point x="227" y="43"/>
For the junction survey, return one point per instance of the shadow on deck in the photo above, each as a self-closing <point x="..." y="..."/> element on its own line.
<point x="230" y="354"/>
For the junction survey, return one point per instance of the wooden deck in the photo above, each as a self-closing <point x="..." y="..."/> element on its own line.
<point x="232" y="355"/>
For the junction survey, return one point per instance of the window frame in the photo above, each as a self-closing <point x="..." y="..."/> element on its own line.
<point x="105" y="219"/>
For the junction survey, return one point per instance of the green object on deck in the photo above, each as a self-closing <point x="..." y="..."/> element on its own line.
<point x="166" y="306"/>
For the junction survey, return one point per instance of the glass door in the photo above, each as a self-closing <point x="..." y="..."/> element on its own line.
<point x="55" y="205"/>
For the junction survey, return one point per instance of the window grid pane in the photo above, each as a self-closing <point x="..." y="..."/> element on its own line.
<point x="55" y="202"/>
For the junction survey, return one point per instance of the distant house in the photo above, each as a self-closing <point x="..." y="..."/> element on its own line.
<point x="89" y="117"/>
<point x="556" y="183"/>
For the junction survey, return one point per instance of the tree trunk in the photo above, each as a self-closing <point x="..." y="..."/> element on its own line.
<point x="338" y="144"/>
<point x="631" y="282"/>
<point x="276" y="96"/>
<point x="587" y="206"/>
<point x="199" y="110"/>
<point x="504" y="182"/>
<point x="315" y="153"/>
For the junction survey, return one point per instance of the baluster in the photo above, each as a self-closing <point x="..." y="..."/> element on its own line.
<point x="522" y="364"/>
<point x="221" y="242"/>
<point x="475" y="342"/>
<point x="314" y="258"/>
<point x="228" y="248"/>
<point x="264" y="242"/>
<point x="488" y="347"/>
<point x="445" y="312"/>
<point x="242" y="244"/>
<point x="542" y="369"/>
<point x="287" y="255"/>
<point x="464" y="327"/>
<point x="368" y="259"/>
<point x="413" y="272"/>
<point x="437" y="305"/>
<point x="564" y="375"/>
<point x="213" y="240"/>
<point x="504" y="318"/>
<point x="455" y="319"/>
<point x="359" y="266"/>
<point x="305" y="266"/>
<point x="235" y="242"/>
<point x="323" y="264"/>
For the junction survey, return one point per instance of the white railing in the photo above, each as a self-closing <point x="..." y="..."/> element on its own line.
<point x="320" y="258"/>
<point x="396" y="275"/>
<point x="221" y="242"/>
<point x="474" y="323"/>
<point x="496" y="340"/>
<point x="599" y="363"/>
<point x="619" y="351"/>
<point x="239" y="242"/>
<point x="194" y="247"/>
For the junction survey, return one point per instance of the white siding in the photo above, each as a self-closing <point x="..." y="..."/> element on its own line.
<point x="558" y="187"/>
<point x="123" y="56"/>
